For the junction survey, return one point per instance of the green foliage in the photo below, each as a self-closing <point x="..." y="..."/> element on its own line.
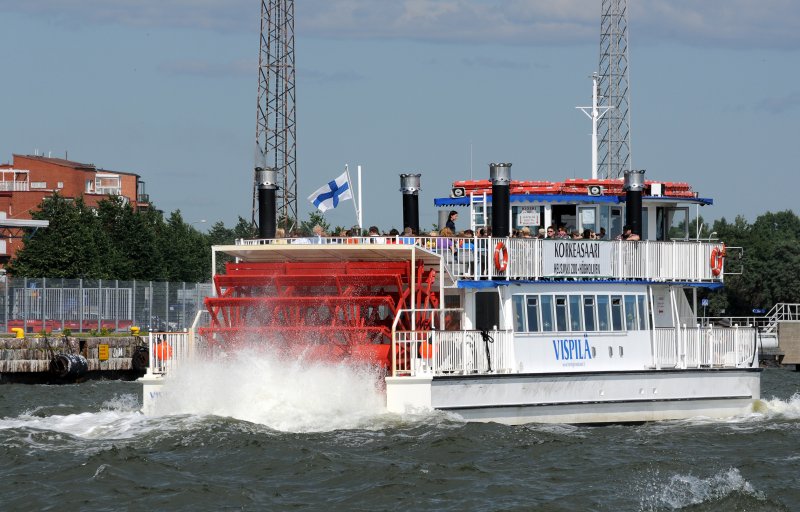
<point x="770" y="265"/>
<point x="113" y="241"/>
<point x="314" y="218"/>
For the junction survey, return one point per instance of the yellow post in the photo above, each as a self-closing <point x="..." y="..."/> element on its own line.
<point x="18" y="331"/>
<point x="134" y="330"/>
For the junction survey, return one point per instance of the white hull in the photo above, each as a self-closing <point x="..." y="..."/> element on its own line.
<point x="603" y="397"/>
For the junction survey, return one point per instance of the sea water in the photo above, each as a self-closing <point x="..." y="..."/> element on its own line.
<point x="255" y="433"/>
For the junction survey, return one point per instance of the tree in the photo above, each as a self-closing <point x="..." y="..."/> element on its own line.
<point x="74" y="245"/>
<point x="315" y="218"/>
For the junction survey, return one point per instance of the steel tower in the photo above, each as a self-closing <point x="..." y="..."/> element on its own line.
<point x="275" y="123"/>
<point x="614" y="144"/>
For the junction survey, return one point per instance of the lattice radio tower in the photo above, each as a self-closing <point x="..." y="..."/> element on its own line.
<point x="614" y="142"/>
<point x="275" y="123"/>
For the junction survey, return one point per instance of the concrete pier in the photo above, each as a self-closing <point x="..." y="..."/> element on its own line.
<point x="28" y="359"/>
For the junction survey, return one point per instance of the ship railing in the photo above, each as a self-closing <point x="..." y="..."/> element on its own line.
<point x="167" y="350"/>
<point x="526" y="258"/>
<point x="469" y="352"/>
<point x="705" y="347"/>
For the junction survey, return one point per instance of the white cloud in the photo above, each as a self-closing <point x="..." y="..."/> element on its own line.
<point x="736" y="23"/>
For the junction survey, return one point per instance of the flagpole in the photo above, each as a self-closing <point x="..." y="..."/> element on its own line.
<point x="360" y="208"/>
<point x="350" y="183"/>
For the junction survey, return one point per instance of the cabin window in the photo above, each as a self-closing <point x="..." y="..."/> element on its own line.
<point x="561" y="313"/>
<point x="575" y="316"/>
<point x="602" y="313"/>
<point x="533" y="314"/>
<point x="589" y="313"/>
<point x="518" y="303"/>
<point x="640" y="299"/>
<point x="630" y="312"/>
<point x="547" y="312"/>
<point x="616" y="313"/>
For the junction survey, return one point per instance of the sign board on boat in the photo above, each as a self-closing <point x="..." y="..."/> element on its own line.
<point x="528" y="216"/>
<point x="566" y="258"/>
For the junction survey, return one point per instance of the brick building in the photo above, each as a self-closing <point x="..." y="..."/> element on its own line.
<point x="31" y="178"/>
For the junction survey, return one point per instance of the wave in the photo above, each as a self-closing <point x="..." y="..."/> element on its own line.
<point x="682" y="491"/>
<point x="287" y="395"/>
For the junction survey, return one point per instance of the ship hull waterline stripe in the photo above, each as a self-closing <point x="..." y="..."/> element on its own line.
<point x="595" y="402"/>
<point x="539" y="376"/>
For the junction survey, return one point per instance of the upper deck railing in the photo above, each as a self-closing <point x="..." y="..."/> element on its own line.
<point x="537" y="259"/>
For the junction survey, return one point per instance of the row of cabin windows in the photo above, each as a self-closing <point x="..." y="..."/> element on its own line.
<point x="548" y="313"/>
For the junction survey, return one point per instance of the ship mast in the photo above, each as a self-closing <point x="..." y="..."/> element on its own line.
<point x="595" y="113"/>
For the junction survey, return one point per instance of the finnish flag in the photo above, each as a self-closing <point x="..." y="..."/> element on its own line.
<point x="329" y="196"/>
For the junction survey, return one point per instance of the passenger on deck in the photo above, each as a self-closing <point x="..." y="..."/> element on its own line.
<point x="602" y="234"/>
<point x="408" y="236"/>
<point x="526" y="232"/>
<point x="451" y="220"/>
<point x="562" y="233"/>
<point x="628" y="235"/>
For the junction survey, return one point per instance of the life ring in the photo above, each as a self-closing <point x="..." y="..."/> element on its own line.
<point x="717" y="257"/>
<point x="500" y="257"/>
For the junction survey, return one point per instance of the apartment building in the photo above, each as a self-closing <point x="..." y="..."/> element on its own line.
<point x="30" y="178"/>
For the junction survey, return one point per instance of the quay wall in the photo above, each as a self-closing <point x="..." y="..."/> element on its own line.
<point x="789" y="342"/>
<point x="32" y="355"/>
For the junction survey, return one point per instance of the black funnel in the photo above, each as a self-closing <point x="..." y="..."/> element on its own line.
<point x="500" y="174"/>
<point x="409" y="186"/>
<point x="267" y="188"/>
<point x="634" y="186"/>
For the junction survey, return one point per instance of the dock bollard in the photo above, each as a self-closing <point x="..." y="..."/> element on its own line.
<point x="134" y="330"/>
<point x="20" y="333"/>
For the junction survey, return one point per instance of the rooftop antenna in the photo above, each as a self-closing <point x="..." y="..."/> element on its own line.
<point x="614" y="146"/>
<point x="275" y="119"/>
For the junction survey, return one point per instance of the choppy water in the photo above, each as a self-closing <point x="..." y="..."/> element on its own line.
<point x="278" y="437"/>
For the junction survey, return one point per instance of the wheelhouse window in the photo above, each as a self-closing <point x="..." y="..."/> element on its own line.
<point x="630" y="313"/>
<point x="589" y="313"/>
<point x="602" y="313"/>
<point x="616" y="313"/>
<point x="561" y="312"/>
<point x="579" y="313"/>
<point x="547" y="312"/>
<point x="575" y="316"/>
<point x="533" y="314"/>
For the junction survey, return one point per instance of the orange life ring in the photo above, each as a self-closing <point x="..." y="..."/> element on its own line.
<point x="163" y="351"/>
<point x="500" y="257"/>
<point x="717" y="257"/>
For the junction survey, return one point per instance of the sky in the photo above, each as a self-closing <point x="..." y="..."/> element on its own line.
<point x="167" y="89"/>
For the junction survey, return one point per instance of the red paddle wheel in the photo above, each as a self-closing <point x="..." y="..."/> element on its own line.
<point x="331" y="310"/>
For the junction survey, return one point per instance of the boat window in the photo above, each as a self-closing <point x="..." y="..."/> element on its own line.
<point x="616" y="313"/>
<point x="561" y="313"/>
<point x="589" y="313"/>
<point x="630" y="312"/>
<point x="575" y="316"/>
<point x="642" y="312"/>
<point x="533" y="314"/>
<point x="602" y="313"/>
<point x="547" y="312"/>
<point x="518" y="304"/>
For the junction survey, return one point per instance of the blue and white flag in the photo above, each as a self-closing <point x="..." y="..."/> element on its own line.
<point x="330" y="195"/>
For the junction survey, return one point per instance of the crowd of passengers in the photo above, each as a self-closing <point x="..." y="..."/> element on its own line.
<point x="408" y="236"/>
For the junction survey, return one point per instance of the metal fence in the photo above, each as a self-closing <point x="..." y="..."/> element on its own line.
<point x="95" y="304"/>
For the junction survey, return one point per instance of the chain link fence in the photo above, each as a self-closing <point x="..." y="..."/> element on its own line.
<point x="83" y="305"/>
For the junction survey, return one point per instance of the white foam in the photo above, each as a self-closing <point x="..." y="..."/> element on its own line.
<point x="775" y="408"/>
<point x="285" y="395"/>
<point x="685" y="490"/>
<point x="119" y="419"/>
